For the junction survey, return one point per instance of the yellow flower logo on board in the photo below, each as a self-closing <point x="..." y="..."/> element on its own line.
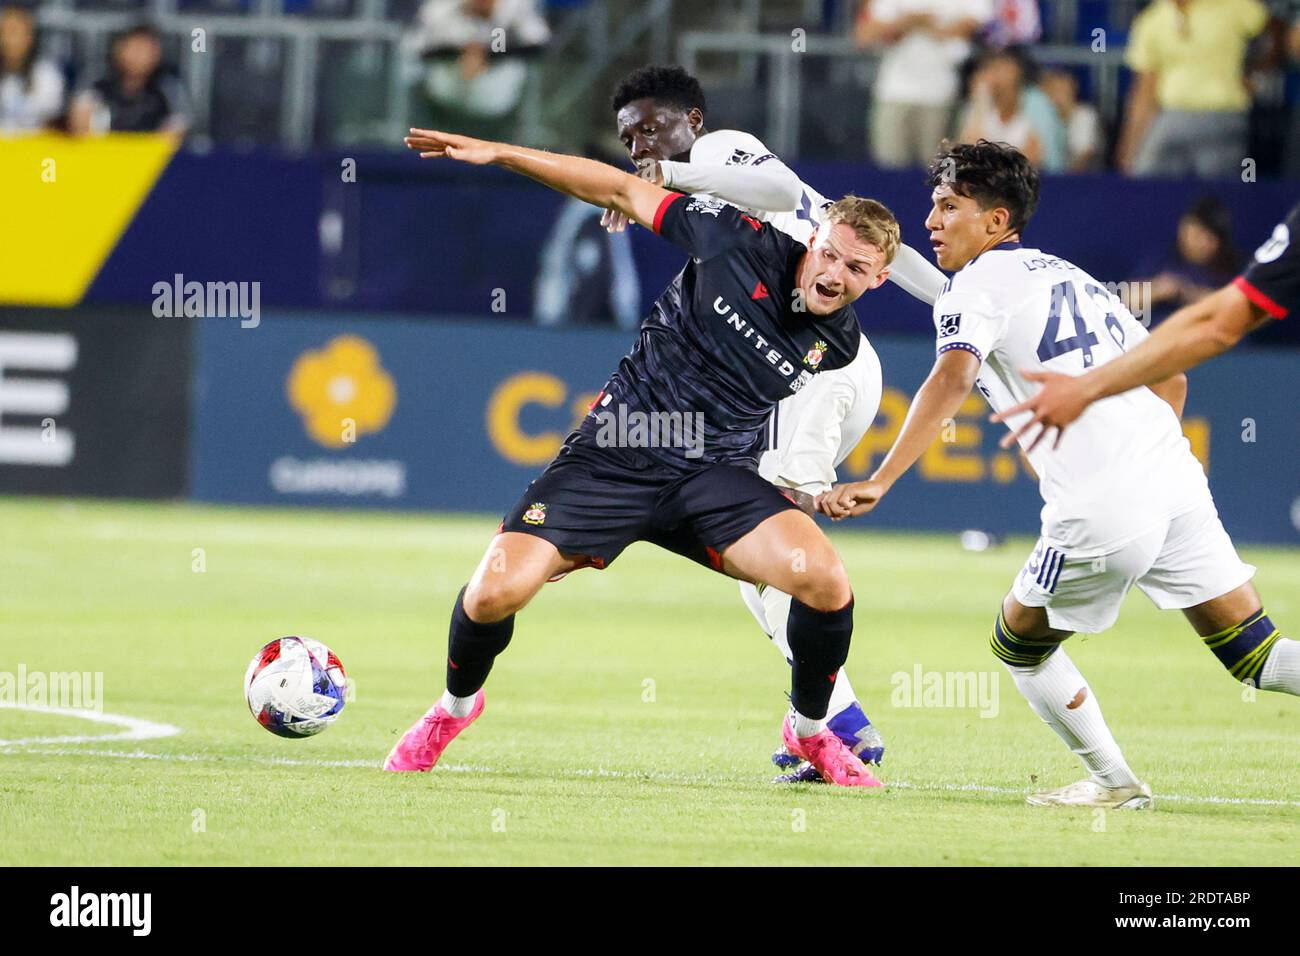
<point x="341" y="391"/>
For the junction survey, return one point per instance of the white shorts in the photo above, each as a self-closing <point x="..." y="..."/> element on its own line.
<point x="1185" y="561"/>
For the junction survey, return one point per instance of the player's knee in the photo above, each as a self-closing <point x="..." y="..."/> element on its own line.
<point x="825" y="586"/>
<point x="492" y="599"/>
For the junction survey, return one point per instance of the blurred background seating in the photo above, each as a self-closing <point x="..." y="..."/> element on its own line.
<point x="816" y="79"/>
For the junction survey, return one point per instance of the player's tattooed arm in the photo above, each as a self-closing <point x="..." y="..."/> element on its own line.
<point x="585" y="179"/>
<point x="938" y="400"/>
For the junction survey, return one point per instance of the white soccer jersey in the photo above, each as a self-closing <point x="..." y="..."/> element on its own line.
<point x="814" y="429"/>
<point x="730" y="147"/>
<point x="1125" y="465"/>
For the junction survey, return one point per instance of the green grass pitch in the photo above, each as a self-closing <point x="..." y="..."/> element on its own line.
<point x="630" y="722"/>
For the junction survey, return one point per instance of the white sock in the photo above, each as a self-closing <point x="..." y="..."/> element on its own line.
<point x="1282" y="669"/>
<point x="457" y="706"/>
<point x="841" y="695"/>
<point x="1050" y="687"/>
<point x="774" y="606"/>
<point x="806" y="726"/>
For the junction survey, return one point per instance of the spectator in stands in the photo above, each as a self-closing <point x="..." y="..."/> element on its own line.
<point x="997" y="111"/>
<point x="1014" y="23"/>
<point x="924" y="43"/>
<point x="1187" y="109"/>
<point x="139" y="94"/>
<point x="31" y="88"/>
<point x="476" y="52"/>
<point x="1202" y="259"/>
<point x="1084" y="136"/>
<point x="1042" y="113"/>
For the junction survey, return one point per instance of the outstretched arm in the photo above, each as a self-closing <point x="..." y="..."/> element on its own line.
<point x="914" y="274"/>
<point x="938" y="400"/>
<point x="584" y="179"/>
<point x="1191" y="335"/>
<point x="771" y="187"/>
<point x="728" y="165"/>
<point x="1173" y="392"/>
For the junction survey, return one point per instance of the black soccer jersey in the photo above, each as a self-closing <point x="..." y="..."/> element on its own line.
<point x="728" y="338"/>
<point x="1272" y="280"/>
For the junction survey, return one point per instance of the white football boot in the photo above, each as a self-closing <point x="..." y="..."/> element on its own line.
<point x="1088" y="793"/>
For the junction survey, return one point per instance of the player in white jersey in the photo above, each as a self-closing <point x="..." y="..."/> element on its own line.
<point x="660" y="116"/>
<point x="1125" y="501"/>
<point x="1268" y="289"/>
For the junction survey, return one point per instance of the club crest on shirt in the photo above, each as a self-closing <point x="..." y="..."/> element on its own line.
<point x="815" y="354"/>
<point x="536" y="514"/>
<point x="949" y="324"/>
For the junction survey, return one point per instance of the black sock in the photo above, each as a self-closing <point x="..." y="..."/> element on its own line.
<point x="471" y="649"/>
<point x="819" y="644"/>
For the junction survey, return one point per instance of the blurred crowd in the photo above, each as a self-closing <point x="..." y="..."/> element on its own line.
<point x="945" y="68"/>
<point x="476" y="56"/>
<point x="963" y="68"/>
<point x="133" y="92"/>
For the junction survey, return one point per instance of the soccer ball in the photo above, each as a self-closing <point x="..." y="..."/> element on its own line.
<point x="295" y="687"/>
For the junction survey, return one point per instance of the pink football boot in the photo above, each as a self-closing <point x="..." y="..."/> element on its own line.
<point x="835" y="762"/>
<point x="422" y="745"/>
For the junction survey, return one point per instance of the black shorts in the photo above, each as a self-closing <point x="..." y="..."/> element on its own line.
<point x="593" y="502"/>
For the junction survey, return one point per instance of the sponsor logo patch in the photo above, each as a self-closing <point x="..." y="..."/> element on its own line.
<point x="949" y="324"/>
<point x="1275" y="245"/>
<point x="705" y="204"/>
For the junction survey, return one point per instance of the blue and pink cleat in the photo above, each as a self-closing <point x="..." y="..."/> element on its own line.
<point x="853" y="728"/>
<point x="834" y="762"/>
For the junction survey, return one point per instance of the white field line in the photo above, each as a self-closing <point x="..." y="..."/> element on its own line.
<point x="679" y="779"/>
<point x="133" y="727"/>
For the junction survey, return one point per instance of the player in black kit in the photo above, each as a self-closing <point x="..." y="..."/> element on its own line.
<point x="669" y="450"/>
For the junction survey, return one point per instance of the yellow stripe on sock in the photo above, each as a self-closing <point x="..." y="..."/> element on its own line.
<point x="1230" y="632"/>
<point x="1252" y="663"/>
<point x="1011" y="657"/>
